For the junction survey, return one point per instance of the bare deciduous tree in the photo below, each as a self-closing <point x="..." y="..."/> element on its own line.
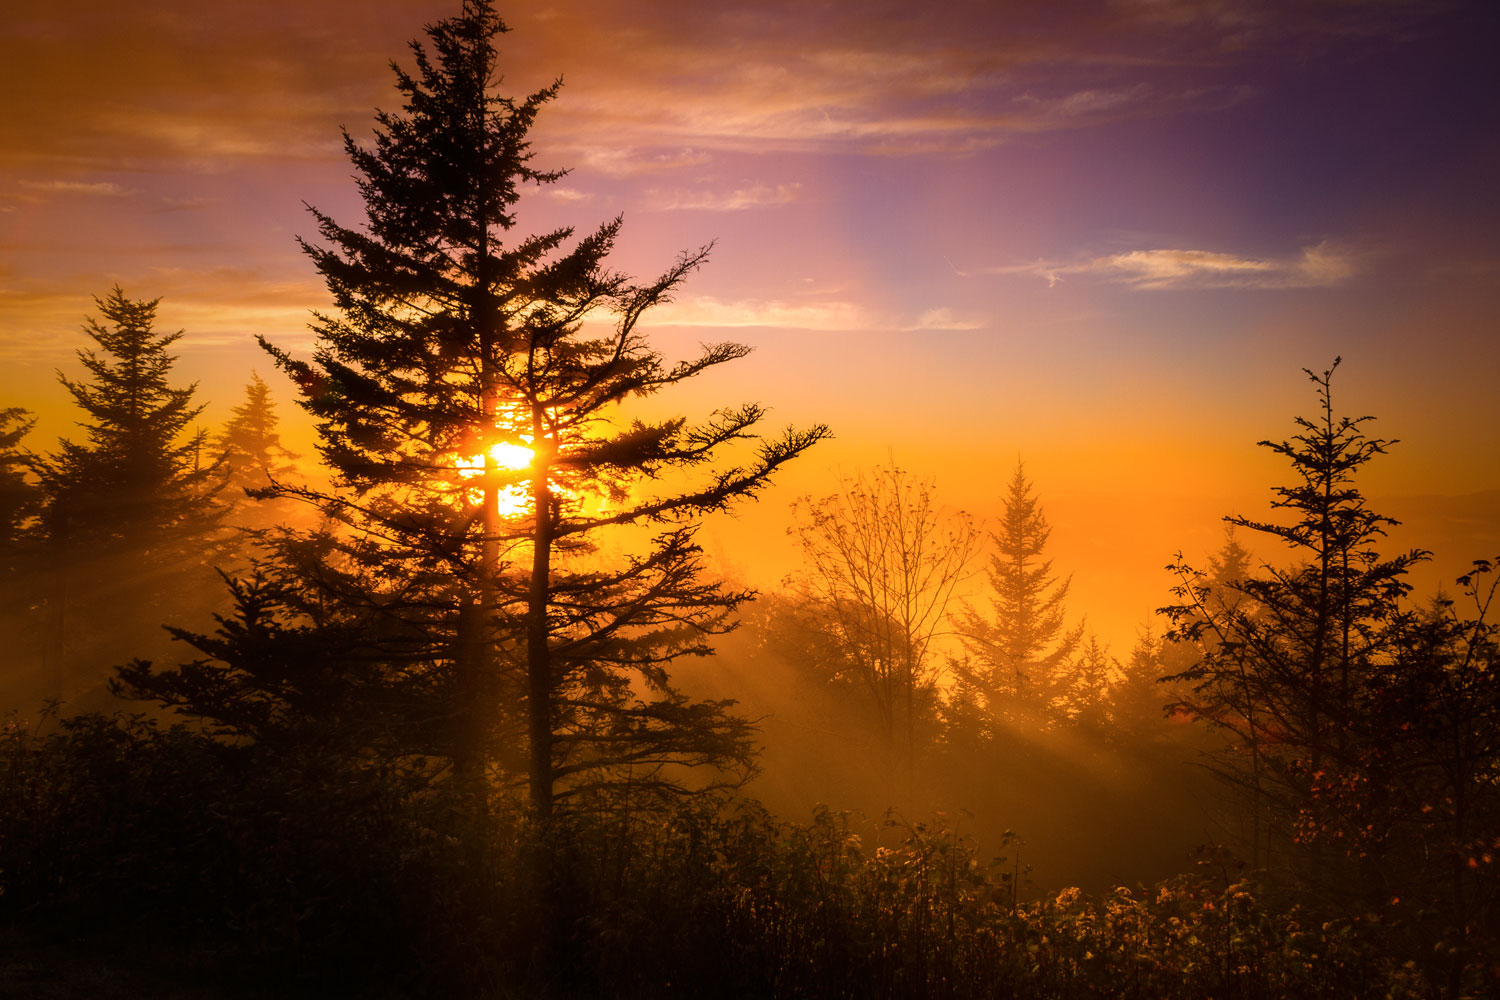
<point x="882" y="563"/>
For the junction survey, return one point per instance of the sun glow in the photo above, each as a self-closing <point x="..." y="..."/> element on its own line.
<point x="512" y="456"/>
<point x="512" y="500"/>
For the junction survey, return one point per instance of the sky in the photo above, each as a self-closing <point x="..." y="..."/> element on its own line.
<point x="1101" y="238"/>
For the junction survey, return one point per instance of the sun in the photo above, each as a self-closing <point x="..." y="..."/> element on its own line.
<point x="512" y="500"/>
<point x="512" y="456"/>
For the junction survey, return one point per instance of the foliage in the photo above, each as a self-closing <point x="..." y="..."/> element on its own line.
<point x="1290" y="660"/>
<point x="1418" y="796"/>
<point x="131" y="517"/>
<point x="1019" y="653"/>
<point x="19" y="497"/>
<point x="349" y="882"/>
<point x="254" y="457"/>
<point x="881" y="562"/>
<point x="278" y="866"/>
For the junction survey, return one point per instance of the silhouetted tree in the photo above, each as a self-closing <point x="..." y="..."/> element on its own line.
<point x="1288" y="658"/>
<point x="254" y="457"/>
<point x="881" y="563"/>
<point x="131" y="515"/>
<point x="1137" y="702"/>
<point x="316" y="658"/>
<point x="1419" y="793"/>
<point x="1091" y="675"/>
<point x="20" y="504"/>
<point x="19" y="496"/>
<point x="1018" y="653"/>
<point x="473" y="425"/>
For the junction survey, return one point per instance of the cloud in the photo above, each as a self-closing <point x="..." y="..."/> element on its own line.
<point x="770" y="109"/>
<point x="43" y="319"/>
<point x="708" y="311"/>
<point x="625" y="161"/>
<point x="944" y="318"/>
<point x="567" y="194"/>
<point x="102" y="189"/>
<point x="751" y="196"/>
<point x="649" y="87"/>
<point x="1163" y="269"/>
<point x="826" y="316"/>
<point x="31" y="192"/>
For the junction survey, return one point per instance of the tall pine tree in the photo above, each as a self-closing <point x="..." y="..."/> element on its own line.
<point x="475" y="426"/>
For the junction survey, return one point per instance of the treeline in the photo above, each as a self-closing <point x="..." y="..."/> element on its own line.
<point x="928" y="661"/>
<point x="446" y="737"/>
<point x="105" y="538"/>
<point x="1352" y="731"/>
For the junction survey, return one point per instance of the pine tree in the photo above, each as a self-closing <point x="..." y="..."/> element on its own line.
<point x="1091" y="675"/>
<point x="20" y="505"/>
<point x="1288" y="659"/>
<point x="19" y="497"/>
<point x="131" y="514"/>
<point x="474" y="424"/>
<point x="1017" y="654"/>
<point x="251" y="440"/>
<point x="254" y="458"/>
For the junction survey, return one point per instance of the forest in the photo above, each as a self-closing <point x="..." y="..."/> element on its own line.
<point x="459" y="707"/>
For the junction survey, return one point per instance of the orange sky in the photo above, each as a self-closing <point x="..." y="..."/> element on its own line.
<point x="1104" y="237"/>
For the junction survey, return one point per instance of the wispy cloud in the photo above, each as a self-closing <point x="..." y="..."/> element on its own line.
<point x="95" y="189"/>
<point x="707" y="311"/>
<point x="213" y="307"/>
<point x="626" y="160"/>
<point x="167" y="82"/>
<point x="31" y="192"/>
<point x="566" y="194"/>
<point x="1164" y="269"/>
<point x="809" y="113"/>
<point x="944" y="318"/>
<point x="828" y="316"/>
<point x="750" y="196"/>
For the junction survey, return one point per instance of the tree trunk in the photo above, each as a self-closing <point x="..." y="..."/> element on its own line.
<point x="538" y="652"/>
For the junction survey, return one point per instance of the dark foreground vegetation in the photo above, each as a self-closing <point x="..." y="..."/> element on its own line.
<point x="421" y="731"/>
<point x="289" y="873"/>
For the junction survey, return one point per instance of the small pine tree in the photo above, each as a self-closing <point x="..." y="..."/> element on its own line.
<point x="1018" y="653"/>
<point x="1138" y="700"/>
<point x="1092" y="673"/>
<point x="254" y="457"/>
